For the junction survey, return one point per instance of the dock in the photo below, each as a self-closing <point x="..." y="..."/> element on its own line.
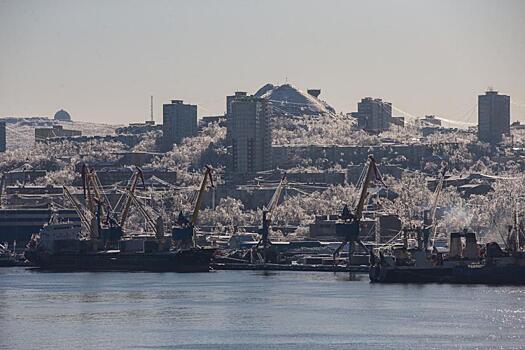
<point x="288" y="267"/>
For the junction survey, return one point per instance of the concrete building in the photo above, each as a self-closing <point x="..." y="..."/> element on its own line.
<point x="3" y="142"/>
<point x="373" y="115"/>
<point x="139" y="128"/>
<point x="430" y="120"/>
<point x="179" y="122"/>
<point x="493" y="117"/>
<point x="249" y="136"/>
<point x="42" y="134"/>
<point x="213" y="119"/>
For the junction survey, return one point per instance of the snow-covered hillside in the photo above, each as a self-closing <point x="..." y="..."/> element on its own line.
<point x="20" y="132"/>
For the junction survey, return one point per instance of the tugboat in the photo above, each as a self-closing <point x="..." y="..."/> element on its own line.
<point x="64" y="246"/>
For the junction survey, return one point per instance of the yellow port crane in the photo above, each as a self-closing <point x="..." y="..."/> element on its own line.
<point x="348" y="227"/>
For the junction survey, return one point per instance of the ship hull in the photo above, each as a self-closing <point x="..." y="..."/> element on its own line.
<point x="189" y="260"/>
<point x="477" y="274"/>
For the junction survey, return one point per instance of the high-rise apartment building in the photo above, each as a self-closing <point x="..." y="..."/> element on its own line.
<point x="373" y="115"/>
<point x="493" y="117"/>
<point x="179" y="121"/>
<point x="249" y="134"/>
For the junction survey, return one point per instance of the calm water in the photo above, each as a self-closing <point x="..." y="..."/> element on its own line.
<point x="251" y="310"/>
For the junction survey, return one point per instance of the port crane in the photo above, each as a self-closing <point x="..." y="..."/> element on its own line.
<point x="99" y="205"/>
<point x="184" y="230"/>
<point x="267" y="218"/>
<point x="437" y="193"/>
<point x="137" y="175"/>
<point x="348" y="225"/>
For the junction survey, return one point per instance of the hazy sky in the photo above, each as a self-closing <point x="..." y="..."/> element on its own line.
<point x="101" y="60"/>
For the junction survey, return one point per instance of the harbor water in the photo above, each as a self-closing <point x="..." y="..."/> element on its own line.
<point x="251" y="310"/>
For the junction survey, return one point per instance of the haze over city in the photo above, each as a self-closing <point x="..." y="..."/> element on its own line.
<point x="101" y="60"/>
<point x="328" y="174"/>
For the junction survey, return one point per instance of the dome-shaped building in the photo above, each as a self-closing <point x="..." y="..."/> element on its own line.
<point x="62" y="116"/>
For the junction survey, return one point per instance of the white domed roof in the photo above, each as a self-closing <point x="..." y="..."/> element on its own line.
<point x="292" y="101"/>
<point x="62" y="115"/>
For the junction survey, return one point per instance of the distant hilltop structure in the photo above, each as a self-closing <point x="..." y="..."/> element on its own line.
<point x="375" y="115"/>
<point x="43" y="134"/>
<point x="288" y="100"/>
<point x="62" y="115"/>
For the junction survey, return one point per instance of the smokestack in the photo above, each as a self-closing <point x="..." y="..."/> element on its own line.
<point x="455" y="245"/>
<point x="471" y="250"/>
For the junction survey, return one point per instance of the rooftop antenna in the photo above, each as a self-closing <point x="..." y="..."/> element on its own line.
<point x="151" y="107"/>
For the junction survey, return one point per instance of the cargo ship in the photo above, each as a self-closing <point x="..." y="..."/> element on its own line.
<point x="471" y="264"/>
<point x="59" y="246"/>
<point x="99" y="242"/>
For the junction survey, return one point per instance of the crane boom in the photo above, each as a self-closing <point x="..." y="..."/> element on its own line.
<point x="370" y="172"/>
<point x="437" y="193"/>
<point x="200" y="196"/>
<point x="93" y="191"/>
<point x="134" y="180"/>
<point x="276" y="195"/>
<point x="78" y="209"/>
<point x="143" y="211"/>
<point x="267" y="217"/>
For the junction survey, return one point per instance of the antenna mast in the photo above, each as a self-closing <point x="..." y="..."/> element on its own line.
<point x="151" y="107"/>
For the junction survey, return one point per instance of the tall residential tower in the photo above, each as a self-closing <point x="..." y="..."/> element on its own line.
<point x="249" y="136"/>
<point x="179" y="121"/>
<point x="493" y="117"/>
